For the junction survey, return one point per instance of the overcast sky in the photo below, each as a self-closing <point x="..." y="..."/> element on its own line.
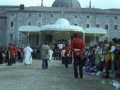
<point x="103" y="4"/>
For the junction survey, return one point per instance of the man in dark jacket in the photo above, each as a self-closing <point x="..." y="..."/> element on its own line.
<point x="45" y="55"/>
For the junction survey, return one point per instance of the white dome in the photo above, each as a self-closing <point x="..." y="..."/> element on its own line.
<point x="61" y="25"/>
<point x="62" y="21"/>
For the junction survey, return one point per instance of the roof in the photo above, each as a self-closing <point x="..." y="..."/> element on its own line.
<point x="68" y="9"/>
<point x="28" y="29"/>
<point x="61" y="25"/>
<point x="62" y="21"/>
<point x="66" y="3"/>
<point x="94" y="30"/>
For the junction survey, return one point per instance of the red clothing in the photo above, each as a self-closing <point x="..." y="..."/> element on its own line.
<point x="118" y="52"/>
<point x="10" y="49"/>
<point x="67" y="52"/>
<point x="77" y="46"/>
<point x="14" y="50"/>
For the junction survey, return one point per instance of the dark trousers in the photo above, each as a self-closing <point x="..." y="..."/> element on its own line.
<point x="21" y="58"/>
<point x="66" y="61"/>
<point x="63" y="60"/>
<point x="78" y="62"/>
<point x="10" y="61"/>
<point x="14" y="61"/>
<point x="44" y="64"/>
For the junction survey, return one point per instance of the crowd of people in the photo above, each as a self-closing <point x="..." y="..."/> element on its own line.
<point x="102" y="59"/>
<point x="67" y="53"/>
<point x="13" y="54"/>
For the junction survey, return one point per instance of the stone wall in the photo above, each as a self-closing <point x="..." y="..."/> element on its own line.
<point x="3" y="28"/>
<point x="40" y="18"/>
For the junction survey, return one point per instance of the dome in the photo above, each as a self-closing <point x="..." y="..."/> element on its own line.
<point x="61" y="25"/>
<point x="62" y="21"/>
<point x="66" y="3"/>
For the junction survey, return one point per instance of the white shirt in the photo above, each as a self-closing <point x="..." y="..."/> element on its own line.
<point x="50" y="52"/>
<point x="63" y="53"/>
<point x="60" y="46"/>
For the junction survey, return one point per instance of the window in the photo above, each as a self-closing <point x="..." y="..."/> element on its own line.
<point x="29" y="15"/>
<point x="115" y="17"/>
<point x="75" y="16"/>
<point x="75" y="24"/>
<point x="39" y="24"/>
<point x="106" y="26"/>
<point x="29" y="23"/>
<point x="88" y="17"/>
<point x="11" y="36"/>
<point x="51" y="15"/>
<point x="11" y="24"/>
<point x="12" y="14"/>
<point x="97" y="25"/>
<point x="115" y="27"/>
<point x="3" y="10"/>
<point x="39" y="15"/>
<point x="87" y="25"/>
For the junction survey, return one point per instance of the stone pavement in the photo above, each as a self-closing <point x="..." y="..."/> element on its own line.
<point x="56" y="77"/>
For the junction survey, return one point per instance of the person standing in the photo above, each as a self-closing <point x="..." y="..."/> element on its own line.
<point x="14" y="53"/>
<point x="67" y="55"/>
<point x="77" y="46"/>
<point x="38" y="53"/>
<point x="45" y="55"/>
<point x="21" y="53"/>
<point x="1" y="57"/>
<point x="63" y="55"/>
<point x="10" y="54"/>
<point x="27" y="55"/>
<point x="50" y="54"/>
<point x="56" y="52"/>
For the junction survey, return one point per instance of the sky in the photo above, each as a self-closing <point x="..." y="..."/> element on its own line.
<point x="103" y="4"/>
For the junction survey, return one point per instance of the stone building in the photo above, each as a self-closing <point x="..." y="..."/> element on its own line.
<point x="12" y="17"/>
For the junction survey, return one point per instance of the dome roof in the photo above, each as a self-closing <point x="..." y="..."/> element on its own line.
<point x="62" y="25"/>
<point x="66" y="3"/>
<point x="62" y="21"/>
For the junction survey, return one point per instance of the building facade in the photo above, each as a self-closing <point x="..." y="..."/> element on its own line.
<point x="12" y="17"/>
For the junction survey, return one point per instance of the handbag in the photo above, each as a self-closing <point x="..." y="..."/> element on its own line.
<point x="107" y="57"/>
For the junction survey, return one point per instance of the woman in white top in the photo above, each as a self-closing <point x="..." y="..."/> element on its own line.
<point x="50" y="54"/>
<point x="63" y="55"/>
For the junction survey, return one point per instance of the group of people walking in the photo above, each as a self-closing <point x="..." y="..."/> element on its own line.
<point x="12" y="54"/>
<point x="70" y="52"/>
<point x="104" y="56"/>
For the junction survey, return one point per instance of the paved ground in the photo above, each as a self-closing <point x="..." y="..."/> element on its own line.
<point x="56" y="77"/>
